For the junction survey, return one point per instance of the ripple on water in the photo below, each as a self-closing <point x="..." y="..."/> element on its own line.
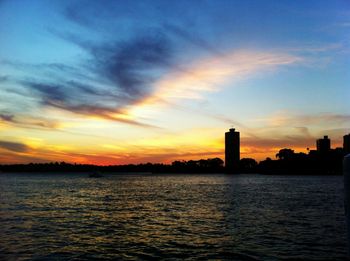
<point x="241" y="217"/>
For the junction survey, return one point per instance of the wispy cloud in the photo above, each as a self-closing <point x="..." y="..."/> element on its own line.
<point x="132" y="66"/>
<point x="28" y="121"/>
<point x="319" y="119"/>
<point x="129" y="66"/>
<point x="14" y="146"/>
<point x="51" y="70"/>
<point x="139" y="69"/>
<point x="127" y="71"/>
<point x="7" y="117"/>
<point x="316" y="48"/>
<point x="82" y="99"/>
<point x="210" y="74"/>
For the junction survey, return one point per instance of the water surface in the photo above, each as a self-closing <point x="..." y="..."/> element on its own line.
<point x="242" y="217"/>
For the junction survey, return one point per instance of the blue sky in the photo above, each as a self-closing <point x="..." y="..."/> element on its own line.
<point x="133" y="81"/>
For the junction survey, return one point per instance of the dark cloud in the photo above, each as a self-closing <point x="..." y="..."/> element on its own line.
<point x="132" y="66"/>
<point x="11" y="157"/>
<point x="7" y="117"/>
<point x="49" y="92"/>
<point x="128" y="68"/>
<point x="124" y="71"/>
<point x="14" y="146"/>
<point x="68" y="97"/>
<point x="88" y="89"/>
<point x="82" y="99"/>
<point x="28" y="122"/>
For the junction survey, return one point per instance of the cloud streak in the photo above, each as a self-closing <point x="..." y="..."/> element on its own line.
<point x="7" y="117"/>
<point x="126" y="69"/>
<point x="141" y="69"/>
<point x="284" y="119"/>
<point x="82" y="99"/>
<point x="211" y="74"/>
<point x="13" y="146"/>
<point x="132" y="66"/>
<point x="28" y="121"/>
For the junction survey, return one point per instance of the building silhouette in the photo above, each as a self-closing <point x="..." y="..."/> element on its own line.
<point x="346" y="144"/>
<point x="232" y="151"/>
<point x="323" y="145"/>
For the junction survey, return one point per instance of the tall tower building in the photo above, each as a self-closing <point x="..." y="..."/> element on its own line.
<point x="323" y="145"/>
<point x="232" y="150"/>
<point x="346" y="144"/>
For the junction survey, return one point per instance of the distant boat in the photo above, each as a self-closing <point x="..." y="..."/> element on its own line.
<point x="95" y="174"/>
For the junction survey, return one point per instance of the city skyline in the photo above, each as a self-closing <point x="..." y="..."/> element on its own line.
<point x="117" y="83"/>
<point x="325" y="160"/>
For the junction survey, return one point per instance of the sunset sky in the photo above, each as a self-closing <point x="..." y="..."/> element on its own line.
<point x="115" y="82"/>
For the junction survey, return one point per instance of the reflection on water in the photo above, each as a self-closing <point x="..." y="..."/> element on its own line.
<point x="163" y="216"/>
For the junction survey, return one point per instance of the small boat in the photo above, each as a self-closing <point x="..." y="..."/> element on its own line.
<point x="95" y="174"/>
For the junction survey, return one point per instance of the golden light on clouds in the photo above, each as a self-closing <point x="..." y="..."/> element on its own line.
<point x="128" y="136"/>
<point x="207" y="75"/>
<point x="210" y="74"/>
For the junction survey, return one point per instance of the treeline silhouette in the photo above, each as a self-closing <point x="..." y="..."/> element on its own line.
<point x="287" y="162"/>
<point x="315" y="163"/>
<point x="214" y="165"/>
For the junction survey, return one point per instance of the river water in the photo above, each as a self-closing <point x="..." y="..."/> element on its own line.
<point x="128" y="217"/>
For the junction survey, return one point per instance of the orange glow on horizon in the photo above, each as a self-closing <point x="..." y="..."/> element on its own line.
<point x="116" y="155"/>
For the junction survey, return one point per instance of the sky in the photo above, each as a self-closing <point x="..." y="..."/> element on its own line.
<point x="118" y="82"/>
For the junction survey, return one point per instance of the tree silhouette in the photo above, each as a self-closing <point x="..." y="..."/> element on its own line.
<point x="248" y="165"/>
<point x="285" y="154"/>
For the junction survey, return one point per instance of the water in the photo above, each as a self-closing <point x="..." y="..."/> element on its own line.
<point x="62" y="216"/>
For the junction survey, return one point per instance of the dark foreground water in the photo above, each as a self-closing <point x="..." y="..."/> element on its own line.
<point x="51" y="216"/>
